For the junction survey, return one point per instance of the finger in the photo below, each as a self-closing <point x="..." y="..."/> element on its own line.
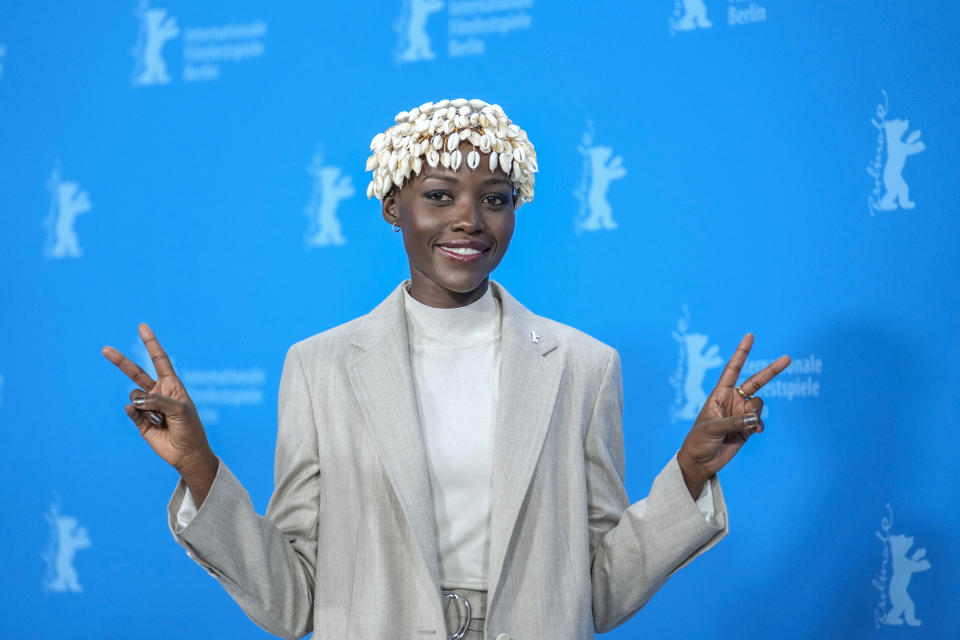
<point x="732" y="371"/>
<point x="152" y="416"/>
<point x="732" y="424"/>
<point x="160" y="359"/>
<point x="158" y="403"/>
<point x="755" y="406"/>
<point x="129" y="367"/>
<point x="755" y="382"/>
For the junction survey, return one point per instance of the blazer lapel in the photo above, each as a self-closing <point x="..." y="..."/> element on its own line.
<point x="529" y="380"/>
<point x="383" y="383"/>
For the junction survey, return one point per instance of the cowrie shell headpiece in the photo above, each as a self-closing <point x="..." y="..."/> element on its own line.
<point x="433" y="132"/>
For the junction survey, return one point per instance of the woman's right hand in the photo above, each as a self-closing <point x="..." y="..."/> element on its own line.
<point x="179" y="437"/>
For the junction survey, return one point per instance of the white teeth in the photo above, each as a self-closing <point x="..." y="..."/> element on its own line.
<point x="464" y="251"/>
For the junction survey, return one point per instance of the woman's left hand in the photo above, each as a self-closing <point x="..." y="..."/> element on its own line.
<point x="726" y="420"/>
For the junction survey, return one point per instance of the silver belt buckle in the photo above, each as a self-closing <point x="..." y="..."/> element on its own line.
<point x="459" y="599"/>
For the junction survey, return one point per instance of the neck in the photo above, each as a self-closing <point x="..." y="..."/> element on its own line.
<point x="432" y="295"/>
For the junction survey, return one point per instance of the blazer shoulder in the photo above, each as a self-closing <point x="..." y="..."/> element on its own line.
<point x="328" y="344"/>
<point x="580" y="346"/>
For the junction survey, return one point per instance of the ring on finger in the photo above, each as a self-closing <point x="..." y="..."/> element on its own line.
<point x="743" y="394"/>
<point x="155" y="417"/>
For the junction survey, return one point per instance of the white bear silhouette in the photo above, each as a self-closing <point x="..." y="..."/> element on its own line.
<point x="694" y="15"/>
<point x="698" y="362"/>
<point x="600" y="170"/>
<point x="69" y="537"/>
<point x="329" y="188"/>
<point x="903" y="570"/>
<point x="418" y="42"/>
<point x="68" y="202"/>
<point x="155" y="29"/>
<point x="897" y="151"/>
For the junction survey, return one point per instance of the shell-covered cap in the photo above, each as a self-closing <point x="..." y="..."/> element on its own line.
<point x="433" y="133"/>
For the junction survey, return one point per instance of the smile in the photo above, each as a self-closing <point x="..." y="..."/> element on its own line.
<point x="461" y="254"/>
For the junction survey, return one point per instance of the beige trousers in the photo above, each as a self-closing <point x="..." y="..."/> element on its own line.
<point x="453" y="613"/>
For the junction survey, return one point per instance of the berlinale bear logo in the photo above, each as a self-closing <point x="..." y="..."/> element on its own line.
<point x="155" y="29"/>
<point x="895" y="548"/>
<point x="330" y="187"/>
<point x="694" y="359"/>
<point x="890" y="138"/>
<point x="600" y="168"/>
<point x="67" y="202"/>
<point x="412" y="27"/>
<point x="66" y="538"/>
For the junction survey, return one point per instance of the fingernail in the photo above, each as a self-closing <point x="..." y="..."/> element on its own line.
<point x="750" y="419"/>
<point x="139" y="401"/>
<point x="155" y="417"/>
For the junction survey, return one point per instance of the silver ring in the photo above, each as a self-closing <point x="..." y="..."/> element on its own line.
<point x="462" y="629"/>
<point x="155" y="418"/>
<point x="743" y="395"/>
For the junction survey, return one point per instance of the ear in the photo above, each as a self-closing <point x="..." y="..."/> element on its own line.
<point x="389" y="207"/>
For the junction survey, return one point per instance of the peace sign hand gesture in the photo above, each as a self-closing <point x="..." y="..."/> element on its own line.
<point x="166" y="416"/>
<point x="729" y="416"/>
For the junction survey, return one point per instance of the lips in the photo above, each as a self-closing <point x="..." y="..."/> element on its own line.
<point x="463" y="251"/>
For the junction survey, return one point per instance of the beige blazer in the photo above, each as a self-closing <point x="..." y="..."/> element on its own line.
<point x="348" y="549"/>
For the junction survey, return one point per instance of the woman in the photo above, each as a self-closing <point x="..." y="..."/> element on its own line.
<point x="450" y="464"/>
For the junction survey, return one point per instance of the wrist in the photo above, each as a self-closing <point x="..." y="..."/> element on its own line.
<point x="199" y="466"/>
<point x="694" y="475"/>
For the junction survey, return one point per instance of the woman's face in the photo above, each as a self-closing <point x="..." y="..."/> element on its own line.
<point x="456" y="228"/>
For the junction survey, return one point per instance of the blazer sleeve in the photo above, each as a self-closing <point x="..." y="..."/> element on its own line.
<point x="635" y="548"/>
<point x="266" y="563"/>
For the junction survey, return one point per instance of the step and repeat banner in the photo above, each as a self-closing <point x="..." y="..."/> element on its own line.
<point x="707" y="168"/>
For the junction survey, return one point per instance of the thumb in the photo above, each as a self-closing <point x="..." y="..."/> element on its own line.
<point x="733" y="424"/>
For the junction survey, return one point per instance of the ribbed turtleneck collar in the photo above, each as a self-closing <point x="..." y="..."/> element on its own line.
<point x="458" y="327"/>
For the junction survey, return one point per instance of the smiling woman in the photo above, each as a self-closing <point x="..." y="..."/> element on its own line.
<point x="449" y="465"/>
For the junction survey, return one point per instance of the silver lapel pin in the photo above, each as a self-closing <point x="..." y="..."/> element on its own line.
<point x="534" y="336"/>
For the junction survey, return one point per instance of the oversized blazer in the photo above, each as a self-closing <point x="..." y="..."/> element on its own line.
<point x="348" y="546"/>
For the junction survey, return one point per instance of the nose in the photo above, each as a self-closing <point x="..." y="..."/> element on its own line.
<point x="467" y="217"/>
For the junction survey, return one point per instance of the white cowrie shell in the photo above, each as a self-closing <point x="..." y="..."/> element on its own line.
<point x="493" y="160"/>
<point x="433" y="158"/>
<point x="459" y="102"/>
<point x="485" y="143"/>
<point x="474" y="138"/>
<point x="378" y="140"/>
<point x="477" y="103"/>
<point x="505" y="162"/>
<point x="465" y="110"/>
<point x="421" y="125"/>
<point x="443" y="104"/>
<point x="404" y="165"/>
<point x="417" y="165"/>
<point x="451" y="112"/>
<point x="423" y="146"/>
<point x="402" y="116"/>
<point x="474" y="119"/>
<point x="448" y="127"/>
<point x="456" y="159"/>
<point x="383" y="157"/>
<point x="461" y="122"/>
<point x="518" y="154"/>
<point x="453" y="141"/>
<point x="445" y="158"/>
<point x="473" y="159"/>
<point x="414" y="114"/>
<point x="397" y="177"/>
<point x="437" y="142"/>
<point x="370" y="190"/>
<point x="372" y="163"/>
<point x="426" y="107"/>
<point x="393" y="162"/>
<point x="387" y="183"/>
<point x="517" y="173"/>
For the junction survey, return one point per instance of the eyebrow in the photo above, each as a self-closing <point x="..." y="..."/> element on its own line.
<point x="454" y="180"/>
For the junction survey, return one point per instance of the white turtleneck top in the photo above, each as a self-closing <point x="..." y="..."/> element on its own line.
<point x="455" y="358"/>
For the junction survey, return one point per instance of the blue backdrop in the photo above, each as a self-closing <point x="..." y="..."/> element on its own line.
<point x="708" y="167"/>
